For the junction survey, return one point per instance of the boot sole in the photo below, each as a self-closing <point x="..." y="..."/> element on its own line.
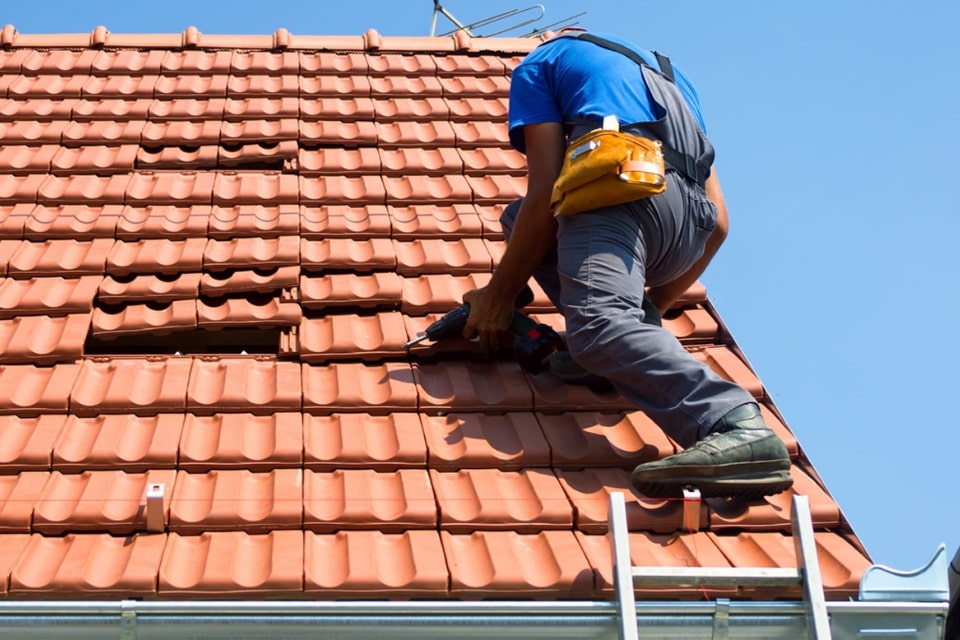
<point x="747" y="485"/>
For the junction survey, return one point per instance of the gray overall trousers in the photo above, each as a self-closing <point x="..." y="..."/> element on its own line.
<point x="603" y="260"/>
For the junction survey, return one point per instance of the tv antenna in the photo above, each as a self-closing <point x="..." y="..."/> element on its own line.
<point x="521" y="18"/>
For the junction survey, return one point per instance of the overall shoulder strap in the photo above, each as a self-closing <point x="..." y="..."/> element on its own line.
<point x="666" y="68"/>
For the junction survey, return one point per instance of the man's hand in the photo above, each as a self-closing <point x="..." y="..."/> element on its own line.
<point x="490" y="316"/>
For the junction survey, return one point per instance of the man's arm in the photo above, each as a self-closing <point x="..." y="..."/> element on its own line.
<point x="534" y="233"/>
<point x="665" y="295"/>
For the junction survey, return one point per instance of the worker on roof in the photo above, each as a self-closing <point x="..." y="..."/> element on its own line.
<point x="614" y="271"/>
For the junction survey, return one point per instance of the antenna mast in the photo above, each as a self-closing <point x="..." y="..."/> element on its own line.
<point x="525" y="16"/>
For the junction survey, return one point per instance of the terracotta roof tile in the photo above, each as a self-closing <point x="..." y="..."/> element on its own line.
<point x="287" y="211"/>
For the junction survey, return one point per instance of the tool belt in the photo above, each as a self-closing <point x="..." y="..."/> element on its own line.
<point x="605" y="167"/>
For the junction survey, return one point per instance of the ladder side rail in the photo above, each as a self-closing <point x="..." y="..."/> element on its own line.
<point x="622" y="578"/>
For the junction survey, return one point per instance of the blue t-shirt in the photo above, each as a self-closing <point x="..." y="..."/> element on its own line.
<point x="567" y="80"/>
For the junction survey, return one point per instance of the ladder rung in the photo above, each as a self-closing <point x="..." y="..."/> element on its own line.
<point x="716" y="576"/>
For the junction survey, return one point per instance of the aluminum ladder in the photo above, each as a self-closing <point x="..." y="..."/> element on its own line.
<point x="807" y="574"/>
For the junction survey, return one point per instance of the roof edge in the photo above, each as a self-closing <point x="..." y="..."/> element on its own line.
<point x="279" y="40"/>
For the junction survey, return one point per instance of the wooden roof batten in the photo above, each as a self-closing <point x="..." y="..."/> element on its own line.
<point x="280" y="40"/>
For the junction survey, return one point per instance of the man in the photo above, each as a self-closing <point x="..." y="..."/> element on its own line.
<point x="596" y="265"/>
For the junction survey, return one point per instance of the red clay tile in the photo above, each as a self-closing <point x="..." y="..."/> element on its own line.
<point x="33" y="131"/>
<point x="841" y="565"/>
<point x="265" y="62"/>
<point x="181" y="158"/>
<point x="94" y="159"/>
<point x="358" y="223"/>
<point x="471" y="66"/>
<point x="253" y="220"/>
<point x="548" y="564"/>
<point x="115" y="109"/>
<point x="261" y="280"/>
<point x="454" y="257"/>
<point x="95" y="566"/>
<point x="417" y="189"/>
<point x="27" y="390"/>
<point x="344" y="387"/>
<point x="774" y="512"/>
<point x="101" y="501"/>
<point x="156" y="287"/>
<point x="155" y="255"/>
<point x="729" y="366"/>
<point x="47" y="296"/>
<point x="474" y="108"/>
<point x="416" y="161"/>
<point x="237" y="500"/>
<point x="431" y="221"/>
<point x="18" y="496"/>
<point x="254" y="310"/>
<point x="23" y="159"/>
<point x="490" y="499"/>
<point x="130" y="61"/>
<point x="26" y="443"/>
<point x="162" y="221"/>
<point x="43" y="339"/>
<point x="232" y="563"/>
<point x="243" y="384"/>
<point x="254" y="187"/>
<point x="11" y="547"/>
<point x="366" y="563"/>
<point x="118" y="86"/>
<point x="181" y="133"/>
<point x="341" y="109"/>
<point x="379" y="289"/>
<point x="388" y="501"/>
<point x="476" y="440"/>
<point x="472" y="386"/>
<point x="258" y="131"/>
<point x="259" y="84"/>
<point x="417" y="64"/>
<point x="14" y="189"/>
<point x="405" y="86"/>
<point x="552" y="395"/>
<point x="126" y="442"/>
<point x="775" y="423"/>
<point x="404" y="108"/>
<point x="46" y="86"/>
<point x="190" y="86"/>
<point x="463" y="86"/>
<point x="241" y="253"/>
<point x="589" y="491"/>
<point x="438" y="293"/>
<point x="195" y="61"/>
<point x="338" y="337"/>
<point x="151" y="318"/>
<point x="693" y="325"/>
<point x="359" y="440"/>
<point x="580" y="439"/>
<point x="169" y="187"/>
<point x="347" y="254"/>
<point x="496" y="188"/>
<point x="343" y="190"/>
<point x="323" y="63"/>
<point x="483" y="161"/>
<point x="78" y="222"/>
<point x="187" y="109"/>
<point x="60" y="257"/>
<point x="490" y="220"/>
<point x="58" y="62"/>
<point x="13" y="217"/>
<point x="99" y="131"/>
<point x="36" y="109"/>
<point x="238" y="108"/>
<point x="337" y="161"/>
<point x="241" y="441"/>
<point x="324" y="132"/>
<point x="141" y="386"/>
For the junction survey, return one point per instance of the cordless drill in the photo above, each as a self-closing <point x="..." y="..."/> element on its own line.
<point x="534" y="341"/>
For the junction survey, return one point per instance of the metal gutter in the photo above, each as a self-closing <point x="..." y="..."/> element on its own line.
<point x="216" y="620"/>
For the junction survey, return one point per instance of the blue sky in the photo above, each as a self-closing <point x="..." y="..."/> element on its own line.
<point x="836" y="130"/>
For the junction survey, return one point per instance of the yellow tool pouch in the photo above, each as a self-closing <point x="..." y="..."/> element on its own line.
<point x="605" y="167"/>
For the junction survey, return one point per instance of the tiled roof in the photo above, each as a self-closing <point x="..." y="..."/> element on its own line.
<point x="212" y="250"/>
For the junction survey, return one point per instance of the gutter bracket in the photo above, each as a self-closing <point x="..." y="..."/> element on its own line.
<point x="128" y="620"/>
<point x="721" y="620"/>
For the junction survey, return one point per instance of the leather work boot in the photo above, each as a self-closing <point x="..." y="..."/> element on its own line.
<point x="742" y="457"/>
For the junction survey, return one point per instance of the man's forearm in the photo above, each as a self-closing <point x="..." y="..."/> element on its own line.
<point x="534" y="234"/>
